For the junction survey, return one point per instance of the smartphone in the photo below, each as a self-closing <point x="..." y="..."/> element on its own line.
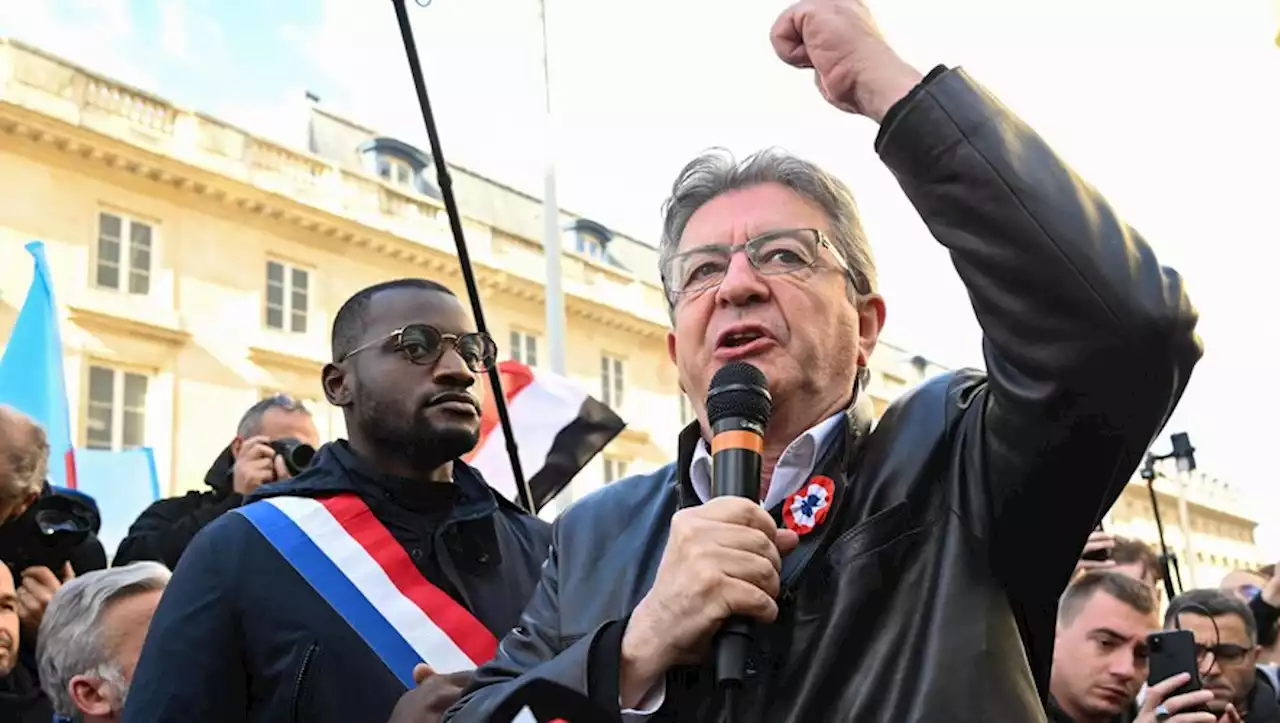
<point x="1098" y="555"/>
<point x="1172" y="652"/>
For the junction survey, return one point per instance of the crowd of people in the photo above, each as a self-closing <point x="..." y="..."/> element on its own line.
<point x="925" y="568"/>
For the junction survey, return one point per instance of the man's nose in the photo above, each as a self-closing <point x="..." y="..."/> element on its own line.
<point x="1209" y="666"/>
<point x="452" y="370"/>
<point x="742" y="284"/>
<point x="1124" y="667"/>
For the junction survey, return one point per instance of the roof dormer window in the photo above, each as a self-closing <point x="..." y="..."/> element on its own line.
<point x="590" y="239"/>
<point x="588" y="245"/>
<point x="395" y="171"/>
<point x="398" y="163"/>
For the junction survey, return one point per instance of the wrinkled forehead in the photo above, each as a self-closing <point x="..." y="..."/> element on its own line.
<point x="737" y="216"/>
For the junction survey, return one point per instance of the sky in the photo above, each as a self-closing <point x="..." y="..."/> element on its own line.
<point x="1170" y="107"/>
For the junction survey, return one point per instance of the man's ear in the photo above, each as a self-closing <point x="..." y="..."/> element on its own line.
<point x="337" y="390"/>
<point x="89" y="696"/>
<point x="236" y="445"/>
<point x="871" y="314"/>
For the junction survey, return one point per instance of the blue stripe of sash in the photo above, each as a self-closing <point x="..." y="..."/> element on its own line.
<point x="335" y="587"/>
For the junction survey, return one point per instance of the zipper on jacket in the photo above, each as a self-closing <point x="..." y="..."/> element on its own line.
<point x="300" y="679"/>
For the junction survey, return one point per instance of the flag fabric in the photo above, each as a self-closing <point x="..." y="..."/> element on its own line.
<point x="558" y="428"/>
<point x="31" y="376"/>
<point x="122" y="484"/>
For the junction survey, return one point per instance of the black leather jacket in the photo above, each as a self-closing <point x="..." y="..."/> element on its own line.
<point x="930" y="591"/>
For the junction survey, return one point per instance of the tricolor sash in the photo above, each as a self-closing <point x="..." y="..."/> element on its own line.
<point x="353" y="562"/>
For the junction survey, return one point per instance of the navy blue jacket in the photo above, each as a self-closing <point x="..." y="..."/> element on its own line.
<point x="240" y="636"/>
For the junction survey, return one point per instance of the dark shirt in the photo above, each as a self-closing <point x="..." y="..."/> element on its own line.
<point x="21" y="700"/>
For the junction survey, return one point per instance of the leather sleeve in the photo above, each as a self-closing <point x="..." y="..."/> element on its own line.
<point x="534" y="649"/>
<point x="1088" y="340"/>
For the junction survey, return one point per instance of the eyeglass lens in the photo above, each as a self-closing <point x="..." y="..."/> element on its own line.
<point x="424" y="344"/>
<point x="784" y="252"/>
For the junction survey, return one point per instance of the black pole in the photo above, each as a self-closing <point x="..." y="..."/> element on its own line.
<point x="1168" y="561"/>
<point x="464" y="258"/>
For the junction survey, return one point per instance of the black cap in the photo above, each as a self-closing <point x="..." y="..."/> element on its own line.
<point x="739" y="389"/>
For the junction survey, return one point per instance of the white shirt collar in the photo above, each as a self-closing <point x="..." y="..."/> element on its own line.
<point x="794" y="467"/>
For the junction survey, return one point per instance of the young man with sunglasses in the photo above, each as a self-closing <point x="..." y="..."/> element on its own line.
<point x="387" y="563"/>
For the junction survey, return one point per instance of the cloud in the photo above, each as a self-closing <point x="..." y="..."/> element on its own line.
<point x="98" y="34"/>
<point x="174" y="36"/>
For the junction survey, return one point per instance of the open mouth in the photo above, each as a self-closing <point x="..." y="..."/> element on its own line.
<point x="743" y="342"/>
<point x="741" y="338"/>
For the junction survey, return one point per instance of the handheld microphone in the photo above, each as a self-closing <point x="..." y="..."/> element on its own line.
<point x="738" y="408"/>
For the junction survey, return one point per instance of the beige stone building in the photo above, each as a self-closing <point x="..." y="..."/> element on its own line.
<point x="199" y="266"/>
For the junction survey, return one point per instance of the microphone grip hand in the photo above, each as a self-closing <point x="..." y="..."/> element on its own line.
<point x="720" y="564"/>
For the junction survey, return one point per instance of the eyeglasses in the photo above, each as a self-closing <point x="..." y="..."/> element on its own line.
<point x="423" y="344"/>
<point x="1226" y="653"/>
<point x="776" y="253"/>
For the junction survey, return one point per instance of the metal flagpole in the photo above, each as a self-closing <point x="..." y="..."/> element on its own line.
<point x="459" y="241"/>
<point x="551" y="216"/>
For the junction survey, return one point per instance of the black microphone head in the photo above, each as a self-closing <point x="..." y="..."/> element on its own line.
<point x="739" y="389"/>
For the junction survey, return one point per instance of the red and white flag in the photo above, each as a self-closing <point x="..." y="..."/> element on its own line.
<point x="558" y="428"/>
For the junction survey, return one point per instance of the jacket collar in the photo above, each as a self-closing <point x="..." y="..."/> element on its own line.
<point x="332" y="469"/>
<point x="857" y="426"/>
<point x="1263" y="704"/>
<point x="219" y="475"/>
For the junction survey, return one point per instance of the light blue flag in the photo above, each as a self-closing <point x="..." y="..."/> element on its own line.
<point x="122" y="483"/>
<point x="31" y="376"/>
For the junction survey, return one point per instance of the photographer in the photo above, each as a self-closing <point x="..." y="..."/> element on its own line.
<point x="163" y="531"/>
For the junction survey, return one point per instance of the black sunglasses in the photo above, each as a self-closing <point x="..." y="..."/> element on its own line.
<point x="423" y="344"/>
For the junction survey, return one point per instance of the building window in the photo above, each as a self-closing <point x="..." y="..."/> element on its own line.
<point x="612" y="383"/>
<point x="395" y="171"/>
<point x="117" y="409"/>
<point x="287" y="291"/>
<point x="524" y="348"/>
<point x="588" y="245"/>
<point x="686" y="410"/>
<point x="124" y="254"/>
<point x="614" y="470"/>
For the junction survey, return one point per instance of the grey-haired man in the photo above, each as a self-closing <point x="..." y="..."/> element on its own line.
<point x="92" y="636"/>
<point x="904" y="574"/>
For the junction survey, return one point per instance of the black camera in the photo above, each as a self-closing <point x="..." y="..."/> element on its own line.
<point x="46" y="534"/>
<point x="297" y="455"/>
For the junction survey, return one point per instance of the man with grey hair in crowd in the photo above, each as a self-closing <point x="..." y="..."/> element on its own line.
<point x="163" y="530"/>
<point x="910" y="573"/>
<point x="24" y="467"/>
<point x="92" y="636"/>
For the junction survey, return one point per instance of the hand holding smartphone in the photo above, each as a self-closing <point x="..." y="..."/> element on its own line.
<point x="1174" y="679"/>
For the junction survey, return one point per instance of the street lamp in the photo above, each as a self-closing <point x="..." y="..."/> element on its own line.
<point x="1184" y="457"/>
